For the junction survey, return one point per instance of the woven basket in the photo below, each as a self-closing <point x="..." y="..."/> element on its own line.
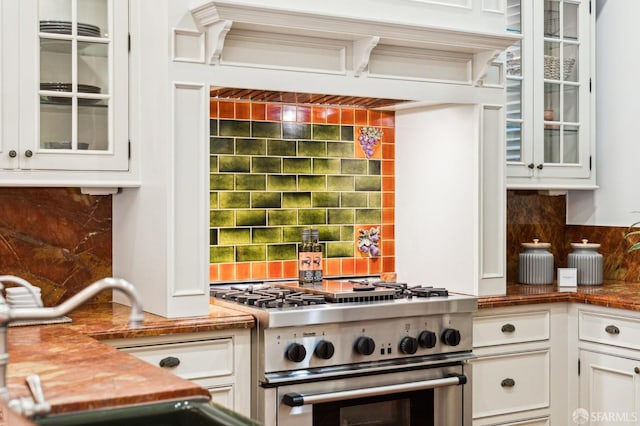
<point x="552" y="67"/>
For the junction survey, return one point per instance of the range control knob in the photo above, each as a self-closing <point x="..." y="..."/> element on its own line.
<point x="427" y="339"/>
<point x="296" y="352"/>
<point x="324" y="349"/>
<point x="409" y="345"/>
<point x="365" y="345"/>
<point x="451" y="337"/>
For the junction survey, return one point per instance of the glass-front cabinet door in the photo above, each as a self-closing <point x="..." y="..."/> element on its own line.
<point x="77" y="83"/>
<point x="551" y="142"/>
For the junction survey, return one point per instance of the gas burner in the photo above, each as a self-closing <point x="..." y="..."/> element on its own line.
<point x="427" y="291"/>
<point x="302" y="299"/>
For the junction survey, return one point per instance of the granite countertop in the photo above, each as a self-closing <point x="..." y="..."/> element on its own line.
<point x="79" y="373"/>
<point x="612" y="294"/>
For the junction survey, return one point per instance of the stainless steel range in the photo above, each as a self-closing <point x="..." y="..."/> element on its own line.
<point x="357" y="352"/>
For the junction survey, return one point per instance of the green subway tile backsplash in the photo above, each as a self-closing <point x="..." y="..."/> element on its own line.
<point x="234" y="164"/>
<point x="326" y="132"/>
<point x="252" y="253"/>
<point x="251" y="146"/>
<point x="254" y="217"/>
<point x="312" y="148"/>
<point x="235" y="128"/>
<point x="234" y="236"/>
<point x="296" y="165"/>
<point x="282" y="251"/>
<point x="296" y="200"/>
<point x="221" y="146"/>
<point x="255" y="182"/>
<point x="266" y="200"/>
<point x="271" y="179"/>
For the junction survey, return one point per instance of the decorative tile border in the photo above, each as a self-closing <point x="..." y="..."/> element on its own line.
<point x="278" y="168"/>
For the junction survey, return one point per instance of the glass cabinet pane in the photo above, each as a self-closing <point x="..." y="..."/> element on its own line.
<point x="514" y="83"/>
<point x="552" y="18"/>
<point x="570" y="21"/>
<point x="75" y="53"/>
<point x="514" y="16"/>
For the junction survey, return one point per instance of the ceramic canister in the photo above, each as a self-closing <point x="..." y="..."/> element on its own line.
<point x="587" y="261"/>
<point x="535" y="265"/>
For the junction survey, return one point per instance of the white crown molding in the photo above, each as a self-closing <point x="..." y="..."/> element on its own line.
<point x="216" y="18"/>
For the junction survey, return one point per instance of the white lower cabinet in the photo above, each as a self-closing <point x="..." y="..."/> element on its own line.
<point x="219" y="361"/>
<point x="609" y="380"/>
<point x="520" y="350"/>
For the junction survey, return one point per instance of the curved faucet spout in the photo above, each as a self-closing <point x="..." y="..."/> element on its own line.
<point x="135" y="319"/>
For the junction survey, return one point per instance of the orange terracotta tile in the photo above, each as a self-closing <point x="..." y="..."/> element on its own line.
<point x="319" y="114"/>
<point x="388" y="215"/>
<point x="226" y="109"/>
<point x="388" y="199"/>
<point x="332" y="267"/>
<point x="387" y="118"/>
<point x="362" y="266"/>
<point x="389" y="247"/>
<point x="213" y="108"/>
<point x="213" y="272"/>
<point x="388" y="150"/>
<point x="374" y="118"/>
<point x="388" y="167"/>
<point x="347" y="116"/>
<point x="388" y="183"/>
<point x="303" y="114"/>
<point x="258" y="111"/>
<point x="361" y="117"/>
<point x="348" y="266"/>
<point x="259" y="270"/>
<point x="288" y="113"/>
<point x="388" y="135"/>
<point x="388" y="264"/>
<point x="290" y="269"/>
<point x="333" y="115"/>
<point x="274" y="269"/>
<point x="388" y="232"/>
<point x="375" y="265"/>
<point x="243" y="271"/>
<point x="274" y="112"/>
<point x="243" y="110"/>
<point x="227" y="272"/>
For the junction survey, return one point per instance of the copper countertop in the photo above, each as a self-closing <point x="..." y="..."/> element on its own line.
<point x="612" y="294"/>
<point x="80" y="373"/>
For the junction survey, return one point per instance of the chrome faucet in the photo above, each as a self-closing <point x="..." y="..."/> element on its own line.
<point x="8" y="314"/>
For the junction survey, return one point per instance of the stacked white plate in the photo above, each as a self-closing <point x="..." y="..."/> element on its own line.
<point x="21" y="297"/>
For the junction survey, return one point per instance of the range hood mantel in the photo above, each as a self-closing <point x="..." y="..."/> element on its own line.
<point x="361" y="33"/>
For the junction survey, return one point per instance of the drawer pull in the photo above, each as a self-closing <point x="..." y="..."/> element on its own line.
<point x="508" y="328"/>
<point x="508" y="383"/>
<point x="169" y="361"/>
<point x="612" y="329"/>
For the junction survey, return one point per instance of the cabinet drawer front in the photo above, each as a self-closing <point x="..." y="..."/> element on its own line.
<point x="198" y="359"/>
<point x="609" y="329"/>
<point x="510" y="383"/>
<point x="510" y="328"/>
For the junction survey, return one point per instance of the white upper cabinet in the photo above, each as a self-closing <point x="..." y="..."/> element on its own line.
<point x="69" y="59"/>
<point x="550" y="121"/>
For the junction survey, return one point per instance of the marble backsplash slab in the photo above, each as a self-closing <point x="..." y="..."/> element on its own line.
<point x="55" y="238"/>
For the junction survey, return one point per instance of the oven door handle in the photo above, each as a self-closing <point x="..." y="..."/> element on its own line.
<point x="296" y="399"/>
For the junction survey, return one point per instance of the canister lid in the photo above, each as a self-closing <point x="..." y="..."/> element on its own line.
<point x="585" y="244"/>
<point x="536" y="244"/>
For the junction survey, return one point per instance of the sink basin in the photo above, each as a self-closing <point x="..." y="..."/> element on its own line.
<point x="193" y="412"/>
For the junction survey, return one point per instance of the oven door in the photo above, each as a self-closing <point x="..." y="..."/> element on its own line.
<point x="432" y="396"/>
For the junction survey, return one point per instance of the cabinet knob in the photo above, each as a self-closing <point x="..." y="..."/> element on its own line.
<point x="612" y="329"/>
<point x="508" y="383"/>
<point x="28" y="153"/>
<point x="540" y="166"/>
<point x="636" y="370"/>
<point x="13" y="153"/>
<point x="169" y="361"/>
<point x="531" y="165"/>
<point x="508" y="328"/>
